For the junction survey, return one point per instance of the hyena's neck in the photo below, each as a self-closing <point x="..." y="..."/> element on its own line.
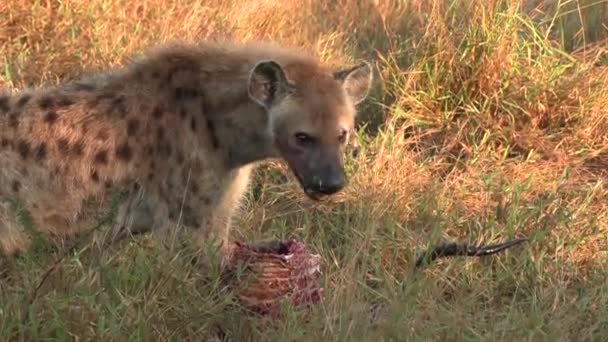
<point x="212" y="102"/>
<point x="241" y="130"/>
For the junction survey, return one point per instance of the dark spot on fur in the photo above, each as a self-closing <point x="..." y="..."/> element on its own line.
<point x="64" y="101"/>
<point x="151" y="176"/>
<point x="195" y="188"/>
<point x="50" y="117"/>
<point x="84" y="86"/>
<point x="124" y="152"/>
<point x="65" y="149"/>
<point x="230" y="123"/>
<point x="193" y="124"/>
<point x="165" y="149"/>
<point x="160" y="133"/>
<point x="102" y="135"/>
<point x="191" y="92"/>
<point x="63" y="146"/>
<point x="206" y="200"/>
<point x="4" y="107"/>
<point x="180" y="93"/>
<point x="223" y="106"/>
<point x="171" y="215"/>
<point x="101" y="157"/>
<point x="23" y="100"/>
<point x="180" y="158"/>
<point x="119" y="106"/>
<point x="4" y="142"/>
<point x="232" y="155"/>
<point x="256" y="139"/>
<point x="132" y="126"/>
<point x="104" y="96"/>
<point x="13" y="120"/>
<point x="99" y="98"/>
<point x="157" y="113"/>
<point x="95" y="176"/>
<point x="211" y="130"/>
<point x="185" y="93"/>
<point x="139" y="75"/>
<point x="185" y="174"/>
<point x="189" y="219"/>
<point x="78" y="148"/>
<point x="23" y="148"/>
<point x="16" y="186"/>
<point x="155" y="74"/>
<point x="40" y="152"/>
<point x="205" y="105"/>
<point x="149" y="150"/>
<point x="45" y="102"/>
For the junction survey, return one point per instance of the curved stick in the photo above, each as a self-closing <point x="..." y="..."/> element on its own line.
<point x="449" y="249"/>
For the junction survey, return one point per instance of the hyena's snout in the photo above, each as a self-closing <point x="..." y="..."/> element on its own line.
<point x="326" y="180"/>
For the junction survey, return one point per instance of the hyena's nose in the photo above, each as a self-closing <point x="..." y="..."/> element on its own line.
<point x="330" y="185"/>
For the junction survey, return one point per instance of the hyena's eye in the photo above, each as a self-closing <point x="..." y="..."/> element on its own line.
<point x="303" y="138"/>
<point x="342" y="136"/>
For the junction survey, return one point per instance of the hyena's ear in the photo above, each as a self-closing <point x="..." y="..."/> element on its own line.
<point x="267" y="82"/>
<point x="356" y="80"/>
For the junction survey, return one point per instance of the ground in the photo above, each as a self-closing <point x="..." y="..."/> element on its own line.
<point x="487" y="121"/>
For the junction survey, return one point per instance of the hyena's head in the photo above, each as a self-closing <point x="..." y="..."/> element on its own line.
<point x="311" y="113"/>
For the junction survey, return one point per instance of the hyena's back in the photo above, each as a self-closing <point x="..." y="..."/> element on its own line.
<point x="55" y="151"/>
<point x="76" y="142"/>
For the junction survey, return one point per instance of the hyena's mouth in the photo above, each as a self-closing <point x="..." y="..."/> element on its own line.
<point x="312" y="194"/>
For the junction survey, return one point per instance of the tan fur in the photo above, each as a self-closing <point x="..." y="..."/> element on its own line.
<point x="176" y="125"/>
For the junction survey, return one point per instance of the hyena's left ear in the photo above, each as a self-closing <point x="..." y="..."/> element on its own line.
<point x="356" y="80"/>
<point x="267" y="82"/>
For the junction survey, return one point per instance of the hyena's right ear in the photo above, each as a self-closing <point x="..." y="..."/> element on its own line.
<point x="267" y="82"/>
<point x="356" y="80"/>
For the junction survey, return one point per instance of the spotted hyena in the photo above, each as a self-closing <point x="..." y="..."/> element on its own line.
<point x="184" y="124"/>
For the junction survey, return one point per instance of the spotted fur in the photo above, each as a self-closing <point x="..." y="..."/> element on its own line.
<point x="184" y="124"/>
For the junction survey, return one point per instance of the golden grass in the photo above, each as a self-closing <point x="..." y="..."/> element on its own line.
<point x="489" y="119"/>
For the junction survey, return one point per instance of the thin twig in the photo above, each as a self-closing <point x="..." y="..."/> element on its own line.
<point x="450" y="249"/>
